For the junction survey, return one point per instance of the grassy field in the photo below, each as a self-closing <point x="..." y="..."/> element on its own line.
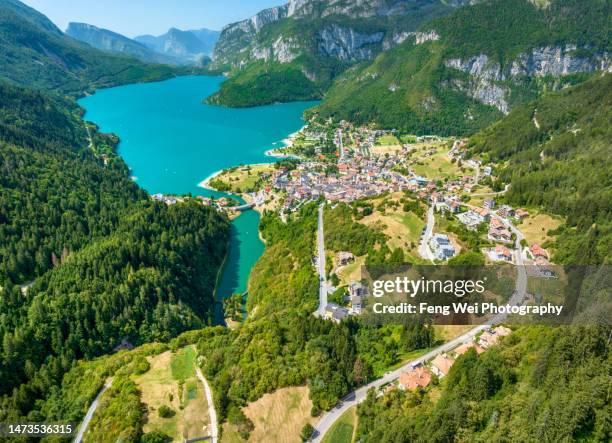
<point x="343" y="431"/>
<point x="386" y="144"/>
<point x="387" y="140"/>
<point x="171" y="381"/>
<point x="243" y="178"/>
<point x="437" y="166"/>
<point x="402" y="228"/>
<point x="448" y="332"/>
<point x="351" y="272"/>
<point x="535" y="227"/>
<point x="278" y="417"/>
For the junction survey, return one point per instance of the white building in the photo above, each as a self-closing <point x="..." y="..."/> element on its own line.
<point x="442" y="247"/>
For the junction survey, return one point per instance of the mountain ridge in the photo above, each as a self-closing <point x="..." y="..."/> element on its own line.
<point x="470" y="71"/>
<point x="107" y="40"/>
<point x="35" y="53"/>
<point x="190" y="46"/>
<point x="317" y="38"/>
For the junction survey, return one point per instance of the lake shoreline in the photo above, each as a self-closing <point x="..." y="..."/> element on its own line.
<point x="170" y="140"/>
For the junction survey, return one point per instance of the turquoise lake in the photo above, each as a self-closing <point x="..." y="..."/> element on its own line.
<point x="172" y="142"/>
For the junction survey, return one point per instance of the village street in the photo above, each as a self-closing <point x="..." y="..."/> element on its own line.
<point x="424" y="249"/>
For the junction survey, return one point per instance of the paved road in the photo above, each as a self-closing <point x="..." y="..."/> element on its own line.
<point x="321" y="264"/>
<point x="214" y="423"/>
<point x="341" y="145"/>
<point x="90" y="412"/>
<point x="358" y="396"/>
<point x="484" y="194"/>
<point x="424" y="249"/>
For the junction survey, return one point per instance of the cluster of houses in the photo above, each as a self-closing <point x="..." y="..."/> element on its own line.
<point x="221" y="203"/>
<point x="167" y="199"/>
<point x="357" y="177"/>
<point x="354" y="299"/>
<point x="499" y="231"/>
<point x="420" y="376"/>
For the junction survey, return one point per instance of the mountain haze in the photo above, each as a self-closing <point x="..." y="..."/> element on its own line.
<point x="111" y="41"/>
<point x="35" y="53"/>
<point x="192" y="47"/>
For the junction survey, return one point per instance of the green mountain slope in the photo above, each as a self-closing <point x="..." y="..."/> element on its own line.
<point x="33" y="52"/>
<point x="106" y="262"/>
<point x="541" y="384"/>
<point x="87" y="259"/>
<point x="469" y="68"/>
<point x="556" y="155"/>
<point x="309" y="43"/>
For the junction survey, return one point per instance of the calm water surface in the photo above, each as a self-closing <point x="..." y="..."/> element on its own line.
<point x="172" y="142"/>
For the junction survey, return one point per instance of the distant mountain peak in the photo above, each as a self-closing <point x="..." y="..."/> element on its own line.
<point x="107" y="40"/>
<point x="189" y="46"/>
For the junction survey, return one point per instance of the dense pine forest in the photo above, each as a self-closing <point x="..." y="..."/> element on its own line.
<point x="90" y="264"/>
<point x="87" y="259"/>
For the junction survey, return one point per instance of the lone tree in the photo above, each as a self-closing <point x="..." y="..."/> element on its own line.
<point x="307" y="432"/>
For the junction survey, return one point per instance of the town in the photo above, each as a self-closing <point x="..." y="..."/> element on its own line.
<point x="347" y="164"/>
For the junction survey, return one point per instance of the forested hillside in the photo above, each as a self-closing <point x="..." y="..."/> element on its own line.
<point x="471" y="67"/>
<point x="87" y="260"/>
<point x="556" y="155"/>
<point x="282" y="343"/>
<point x="541" y="384"/>
<point x="34" y="53"/>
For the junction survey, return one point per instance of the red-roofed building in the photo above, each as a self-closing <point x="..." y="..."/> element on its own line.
<point x="503" y="253"/>
<point x="419" y="377"/>
<point x="441" y="364"/>
<point x="536" y="251"/>
<point x="521" y="213"/>
<point x="460" y="350"/>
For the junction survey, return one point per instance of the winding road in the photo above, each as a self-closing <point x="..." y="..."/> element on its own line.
<point x="90" y="412"/>
<point x="485" y="194"/>
<point x="358" y="396"/>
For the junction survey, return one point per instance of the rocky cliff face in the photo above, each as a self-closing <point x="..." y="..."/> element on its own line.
<point x="347" y="44"/>
<point x="487" y="77"/>
<point x="329" y="37"/>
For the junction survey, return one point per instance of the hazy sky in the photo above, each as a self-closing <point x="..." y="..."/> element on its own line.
<point x="135" y="17"/>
